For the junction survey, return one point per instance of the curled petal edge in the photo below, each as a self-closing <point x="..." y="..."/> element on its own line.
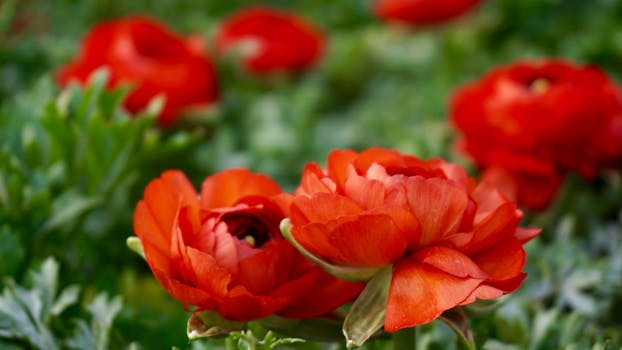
<point x="348" y="273"/>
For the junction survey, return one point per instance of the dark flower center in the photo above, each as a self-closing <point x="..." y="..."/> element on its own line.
<point x="251" y="228"/>
<point x="150" y="49"/>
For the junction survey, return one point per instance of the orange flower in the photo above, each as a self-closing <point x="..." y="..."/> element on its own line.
<point x="145" y="54"/>
<point x="222" y="251"/>
<point x="421" y="12"/>
<point x="449" y="239"/>
<point x="537" y="120"/>
<point x="271" y="40"/>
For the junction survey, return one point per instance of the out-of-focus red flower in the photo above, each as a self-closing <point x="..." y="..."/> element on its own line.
<point x="223" y="251"/>
<point x="449" y="239"/>
<point x="145" y="54"/>
<point x="538" y="120"/>
<point x="270" y="40"/>
<point x="421" y="12"/>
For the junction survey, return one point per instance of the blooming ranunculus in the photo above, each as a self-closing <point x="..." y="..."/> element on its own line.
<point x="450" y="241"/>
<point x="222" y="251"/>
<point x="421" y="12"/>
<point x="537" y="120"/>
<point x="270" y="40"/>
<point x="146" y="55"/>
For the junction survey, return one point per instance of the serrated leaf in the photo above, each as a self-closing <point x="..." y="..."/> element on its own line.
<point x="103" y="310"/>
<point x="68" y="207"/>
<point x="66" y="298"/>
<point x="366" y="316"/>
<point x="23" y="313"/>
<point x="45" y="283"/>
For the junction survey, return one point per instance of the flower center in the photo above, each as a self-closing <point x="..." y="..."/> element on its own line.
<point x="251" y="229"/>
<point x="540" y="86"/>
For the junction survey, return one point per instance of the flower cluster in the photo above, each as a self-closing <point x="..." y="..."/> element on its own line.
<point x="145" y="54"/>
<point x="532" y="121"/>
<point x="448" y="239"/>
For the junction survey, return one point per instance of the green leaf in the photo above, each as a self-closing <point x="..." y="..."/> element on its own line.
<point x="366" y="316"/>
<point x="24" y="313"/>
<point x="247" y="340"/>
<point x="349" y="273"/>
<point x="66" y="298"/>
<point x="103" y="311"/>
<point x="68" y="207"/>
<point x="11" y="251"/>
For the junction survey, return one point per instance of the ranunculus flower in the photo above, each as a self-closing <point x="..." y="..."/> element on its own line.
<point x="450" y="240"/>
<point x="270" y="40"/>
<point x="538" y="120"/>
<point x="145" y="54"/>
<point x="421" y="12"/>
<point x="222" y="251"/>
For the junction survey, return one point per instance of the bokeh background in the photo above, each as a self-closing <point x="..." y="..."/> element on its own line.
<point x="73" y="164"/>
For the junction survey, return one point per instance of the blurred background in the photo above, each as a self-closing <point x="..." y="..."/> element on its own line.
<point x="73" y="166"/>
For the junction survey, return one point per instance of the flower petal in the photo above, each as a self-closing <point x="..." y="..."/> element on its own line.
<point x="324" y="294"/>
<point x="420" y="293"/>
<point x="438" y="205"/>
<point x="450" y="261"/>
<point x="314" y="180"/>
<point x="502" y="223"/>
<point x="208" y="276"/>
<point x="366" y="193"/>
<point x="503" y="261"/>
<point x="337" y="166"/>
<point x="227" y="187"/>
<point x="164" y="196"/>
<point x="322" y="207"/>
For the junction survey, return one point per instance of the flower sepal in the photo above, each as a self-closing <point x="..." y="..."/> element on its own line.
<point x="366" y="316"/>
<point x="207" y="324"/>
<point x="136" y="246"/>
<point x="348" y="273"/>
<point x="457" y="320"/>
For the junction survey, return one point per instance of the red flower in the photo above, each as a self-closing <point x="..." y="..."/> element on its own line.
<point x="449" y="239"/>
<point x="538" y="120"/>
<point x="223" y="251"/>
<point x="144" y="53"/>
<point x="270" y="40"/>
<point x="421" y="12"/>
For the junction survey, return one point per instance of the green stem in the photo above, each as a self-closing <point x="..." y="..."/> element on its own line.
<point x="230" y="344"/>
<point x="405" y="339"/>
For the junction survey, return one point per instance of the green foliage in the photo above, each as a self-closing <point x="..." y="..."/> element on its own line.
<point x="30" y="316"/>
